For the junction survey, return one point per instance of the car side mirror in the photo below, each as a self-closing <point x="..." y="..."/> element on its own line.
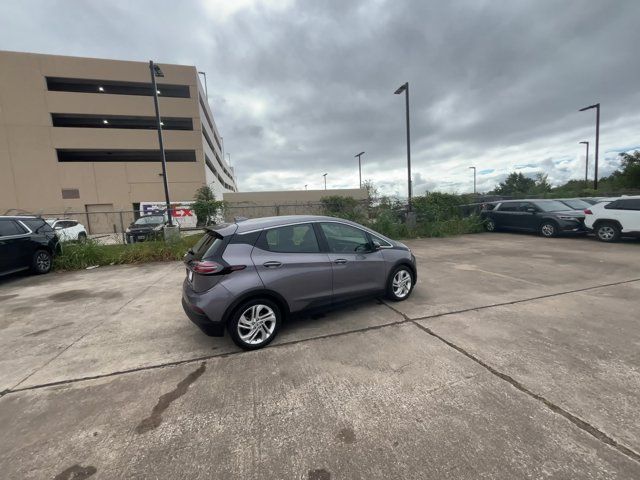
<point x="375" y="246"/>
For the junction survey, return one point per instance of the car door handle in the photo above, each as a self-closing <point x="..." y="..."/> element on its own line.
<point x="340" y="261"/>
<point x="272" y="264"/>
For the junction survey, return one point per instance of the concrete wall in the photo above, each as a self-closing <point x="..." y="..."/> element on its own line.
<point x="32" y="179"/>
<point x="292" y="202"/>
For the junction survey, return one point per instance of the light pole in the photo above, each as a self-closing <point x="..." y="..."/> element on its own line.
<point x="325" y="180"/>
<point x="156" y="72"/>
<point x="474" y="180"/>
<point x="586" y="163"/>
<point x="595" y="171"/>
<point x="360" y="166"/>
<point x="405" y="88"/>
<point x="305" y="187"/>
<point x="206" y="92"/>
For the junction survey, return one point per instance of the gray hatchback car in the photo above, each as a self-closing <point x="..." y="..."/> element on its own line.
<point x="250" y="275"/>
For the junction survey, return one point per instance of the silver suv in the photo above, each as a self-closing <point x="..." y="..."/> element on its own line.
<point x="250" y="275"/>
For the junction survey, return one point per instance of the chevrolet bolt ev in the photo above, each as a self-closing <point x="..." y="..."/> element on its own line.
<point x="248" y="276"/>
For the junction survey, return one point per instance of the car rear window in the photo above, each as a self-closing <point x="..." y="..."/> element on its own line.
<point x="207" y="246"/>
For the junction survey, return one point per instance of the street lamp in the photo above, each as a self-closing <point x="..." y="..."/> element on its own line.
<point x="474" y="180"/>
<point x="360" y="166"/>
<point x="157" y="72"/>
<point x="325" y="180"/>
<point x="305" y="187"/>
<point x="586" y="163"/>
<point x="405" y="88"/>
<point x="595" y="173"/>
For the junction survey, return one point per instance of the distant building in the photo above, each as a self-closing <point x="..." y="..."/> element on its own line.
<point x="79" y="134"/>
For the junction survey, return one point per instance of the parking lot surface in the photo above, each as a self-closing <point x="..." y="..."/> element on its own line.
<point x="515" y="357"/>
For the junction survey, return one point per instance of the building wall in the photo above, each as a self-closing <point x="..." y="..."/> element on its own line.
<point x="32" y="179"/>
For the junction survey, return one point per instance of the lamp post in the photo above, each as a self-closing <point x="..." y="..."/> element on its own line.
<point x="586" y="164"/>
<point x="206" y="91"/>
<point x="360" y="166"/>
<point x="595" y="171"/>
<point x="156" y="72"/>
<point x="405" y="88"/>
<point x="474" y="180"/>
<point x="305" y="187"/>
<point x="325" y="180"/>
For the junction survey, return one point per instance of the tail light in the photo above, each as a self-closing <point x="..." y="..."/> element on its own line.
<point x="588" y="212"/>
<point x="208" y="267"/>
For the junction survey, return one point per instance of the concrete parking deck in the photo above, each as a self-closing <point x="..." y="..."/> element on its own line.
<point x="516" y="357"/>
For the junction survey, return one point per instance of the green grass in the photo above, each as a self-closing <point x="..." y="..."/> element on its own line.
<point x="82" y="255"/>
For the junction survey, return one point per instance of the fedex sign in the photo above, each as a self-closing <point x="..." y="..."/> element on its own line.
<point x="181" y="212"/>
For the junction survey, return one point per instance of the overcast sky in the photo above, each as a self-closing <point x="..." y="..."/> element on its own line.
<point x="298" y="88"/>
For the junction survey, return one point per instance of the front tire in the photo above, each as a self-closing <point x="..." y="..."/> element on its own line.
<point x="608" y="232"/>
<point x="400" y="284"/>
<point x="82" y="237"/>
<point x="548" y="229"/>
<point x="255" y="323"/>
<point x="41" y="262"/>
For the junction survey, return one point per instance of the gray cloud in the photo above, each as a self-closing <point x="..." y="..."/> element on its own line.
<point x="298" y="88"/>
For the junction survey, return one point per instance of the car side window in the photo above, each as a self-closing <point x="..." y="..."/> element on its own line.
<point x="525" y="206"/>
<point x="292" y="239"/>
<point x="615" y="205"/>
<point x="9" y="227"/>
<point x="626" y="204"/>
<point x="379" y="242"/>
<point x="510" y="207"/>
<point x="345" y="238"/>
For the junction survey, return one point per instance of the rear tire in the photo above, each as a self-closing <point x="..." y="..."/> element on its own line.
<point x="548" y="229"/>
<point x="400" y="284"/>
<point x="255" y="323"/>
<point x="41" y="262"/>
<point x="489" y="225"/>
<point x="82" y="237"/>
<point x="608" y="232"/>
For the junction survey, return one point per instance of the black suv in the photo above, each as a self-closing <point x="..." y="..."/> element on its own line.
<point x="547" y="217"/>
<point x="26" y="242"/>
<point x="147" y="227"/>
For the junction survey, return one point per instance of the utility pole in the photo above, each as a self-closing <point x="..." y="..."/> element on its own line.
<point x="586" y="164"/>
<point x="474" y="180"/>
<point x="325" y="180"/>
<point x="360" y="167"/>
<point x="595" y="173"/>
<point x="156" y="72"/>
<point x="405" y="88"/>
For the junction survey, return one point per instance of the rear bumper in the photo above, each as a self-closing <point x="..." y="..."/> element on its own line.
<point x="202" y="321"/>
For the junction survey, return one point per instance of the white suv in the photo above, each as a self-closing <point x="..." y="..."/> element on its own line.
<point x="615" y="218"/>
<point x="67" y="230"/>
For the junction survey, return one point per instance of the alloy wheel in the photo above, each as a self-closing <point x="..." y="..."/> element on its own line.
<point x="43" y="261"/>
<point x="606" y="233"/>
<point x="401" y="283"/>
<point x="256" y="324"/>
<point x="548" y="230"/>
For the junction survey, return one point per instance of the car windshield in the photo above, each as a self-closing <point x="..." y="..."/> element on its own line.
<point x="576" y="203"/>
<point x="149" y="220"/>
<point x="552" y="206"/>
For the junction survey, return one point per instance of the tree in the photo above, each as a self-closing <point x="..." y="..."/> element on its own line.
<point x="206" y="207"/>
<point x="515" y="184"/>
<point x="629" y="177"/>
<point x="542" y="183"/>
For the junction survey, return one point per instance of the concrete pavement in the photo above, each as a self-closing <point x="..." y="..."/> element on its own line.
<point x="516" y="357"/>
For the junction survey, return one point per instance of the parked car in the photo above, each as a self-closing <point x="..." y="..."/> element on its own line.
<point x="147" y="227"/>
<point x="26" y="243"/>
<point x="249" y="275"/>
<point x="611" y="220"/>
<point x="594" y="200"/>
<point x="68" y="230"/>
<point x="547" y="217"/>
<point x="575" y="203"/>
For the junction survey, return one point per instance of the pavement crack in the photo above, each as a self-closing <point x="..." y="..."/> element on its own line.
<point x="577" y="421"/>
<point x="154" y="420"/>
